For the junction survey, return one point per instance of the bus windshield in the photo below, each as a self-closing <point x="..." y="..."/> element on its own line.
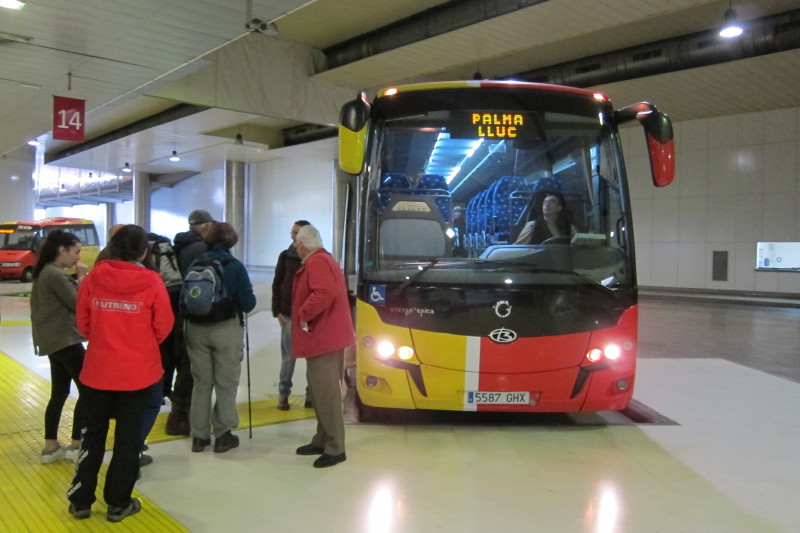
<point x="495" y="188"/>
<point x="14" y="238"/>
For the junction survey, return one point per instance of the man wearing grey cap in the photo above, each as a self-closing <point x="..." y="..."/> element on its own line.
<point x="188" y="245"/>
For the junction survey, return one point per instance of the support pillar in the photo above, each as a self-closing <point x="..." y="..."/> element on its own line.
<point x="235" y="183"/>
<point x="141" y="199"/>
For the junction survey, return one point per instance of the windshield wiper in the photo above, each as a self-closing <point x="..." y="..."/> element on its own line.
<point x="585" y="279"/>
<point x="403" y="286"/>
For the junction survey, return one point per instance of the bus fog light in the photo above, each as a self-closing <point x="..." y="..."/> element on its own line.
<point x="371" y="381"/>
<point x="385" y="349"/>
<point x="594" y="355"/>
<point x="623" y="384"/>
<point x="405" y="352"/>
<point x="612" y="352"/>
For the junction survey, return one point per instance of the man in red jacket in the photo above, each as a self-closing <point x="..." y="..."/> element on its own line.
<point x="322" y="327"/>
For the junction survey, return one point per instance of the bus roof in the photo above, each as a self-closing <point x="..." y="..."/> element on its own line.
<point x="480" y="84"/>
<point x="53" y="221"/>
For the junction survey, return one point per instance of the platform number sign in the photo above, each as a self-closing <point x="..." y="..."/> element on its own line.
<point x="68" y="119"/>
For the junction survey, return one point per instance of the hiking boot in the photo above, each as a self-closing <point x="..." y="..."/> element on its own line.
<point x="283" y="403"/>
<point x="178" y="424"/>
<point x="225" y="442"/>
<point x="118" y="514"/>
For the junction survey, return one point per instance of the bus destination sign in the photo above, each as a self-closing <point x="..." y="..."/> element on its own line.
<point x="486" y="125"/>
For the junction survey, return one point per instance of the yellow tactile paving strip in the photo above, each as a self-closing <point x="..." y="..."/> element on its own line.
<point x="33" y="494"/>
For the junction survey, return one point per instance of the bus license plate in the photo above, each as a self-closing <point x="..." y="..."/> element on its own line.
<point x="498" y="398"/>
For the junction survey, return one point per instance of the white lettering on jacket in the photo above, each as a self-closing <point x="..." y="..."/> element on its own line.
<point x="117" y="305"/>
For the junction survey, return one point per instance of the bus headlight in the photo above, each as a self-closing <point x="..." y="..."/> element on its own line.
<point x="385" y="349"/>
<point x="405" y="352"/>
<point x="594" y="355"/>
<point x="612" y="352"/>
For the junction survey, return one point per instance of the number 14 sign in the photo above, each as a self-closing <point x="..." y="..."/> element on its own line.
<point x="68" y="118"/>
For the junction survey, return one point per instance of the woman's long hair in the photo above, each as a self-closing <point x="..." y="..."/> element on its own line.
<point x="563" y="220"/>
<point x="48" y="251"/>
<point x="128" y="243"/>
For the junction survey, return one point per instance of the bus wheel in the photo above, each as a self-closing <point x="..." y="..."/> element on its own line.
<point x="27" y="275"/>
<point x="366" y="413"/>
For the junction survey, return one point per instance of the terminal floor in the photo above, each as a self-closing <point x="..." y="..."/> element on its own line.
<point x="722" y="457"/>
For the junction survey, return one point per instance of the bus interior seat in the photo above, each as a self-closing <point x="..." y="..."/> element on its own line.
<point x="427" y="227"/>
<point x="436" y="186"/>
<point x="391" y="180"/>
<point x="502" y="205"/>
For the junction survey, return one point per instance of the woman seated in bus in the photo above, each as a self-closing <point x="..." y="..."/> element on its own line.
<point x="554" y="221"/>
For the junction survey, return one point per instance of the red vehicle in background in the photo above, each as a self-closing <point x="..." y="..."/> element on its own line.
<point x="20" y="240"/>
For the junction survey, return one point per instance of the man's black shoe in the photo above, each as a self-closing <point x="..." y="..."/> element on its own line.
<point x="225" y="442"/>
<point x="198" y="445"/>
<point x="118" y="514"/>
<point x="325" y="460"/>
<point x="309" y="449"/>
<point x="309" y="404"/>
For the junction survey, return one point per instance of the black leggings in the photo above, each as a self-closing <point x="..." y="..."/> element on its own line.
<point x="65" y="366"/>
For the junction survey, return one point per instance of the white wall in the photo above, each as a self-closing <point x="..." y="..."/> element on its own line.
<point x="170" y="208"/>
<point x="737" y="183"/>
<point x="16" y="185"/>
<point x="296" y="184"/>
<point x="293" y="183"/>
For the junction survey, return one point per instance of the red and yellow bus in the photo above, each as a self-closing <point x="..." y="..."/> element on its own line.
<point x="20" y="240"/>
<point x="452" y="313"/>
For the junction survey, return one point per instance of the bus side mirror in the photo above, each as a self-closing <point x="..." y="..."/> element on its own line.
<point x="658" y="134"/>
<point x="660" y="148"/>
<point x="353" y="126"/>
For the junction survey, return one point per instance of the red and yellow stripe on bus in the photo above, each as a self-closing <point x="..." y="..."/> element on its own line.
<point x="557" y="371"/>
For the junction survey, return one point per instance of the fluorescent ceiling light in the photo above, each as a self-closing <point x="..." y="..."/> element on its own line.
<point x="12" y="4"/>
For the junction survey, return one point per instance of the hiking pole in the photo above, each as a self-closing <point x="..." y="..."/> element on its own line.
<point x="247" y="347"/>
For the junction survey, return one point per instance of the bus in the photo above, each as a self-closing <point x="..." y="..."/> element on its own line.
<point x="20" y="240"/>
<point x="456" y="312"/>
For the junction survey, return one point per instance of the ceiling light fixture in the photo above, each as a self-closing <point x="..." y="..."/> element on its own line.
<point x="731" y="28"/>
<point x="174" y="157"/>
<point x="12" y="4"/>
<point x="127" y="168"/>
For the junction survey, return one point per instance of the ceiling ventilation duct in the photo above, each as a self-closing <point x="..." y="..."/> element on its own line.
<point x="766" y="35"/>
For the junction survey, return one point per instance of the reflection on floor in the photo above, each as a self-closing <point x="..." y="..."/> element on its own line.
<point x="726" y="464"/>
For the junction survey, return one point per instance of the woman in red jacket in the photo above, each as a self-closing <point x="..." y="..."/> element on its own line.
<point x="124" y="311"/>
<point x="322" y="327"/>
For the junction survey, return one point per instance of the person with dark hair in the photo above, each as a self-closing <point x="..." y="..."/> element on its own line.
<point x="288" y="263"/>
<point x="552" y="220"/>
<point x="322" y="328"/>
<point x="188" y="246"/>
<point x="56" y="335"/>
<point x="215" y="345"/>
<point x="123" y="310"/>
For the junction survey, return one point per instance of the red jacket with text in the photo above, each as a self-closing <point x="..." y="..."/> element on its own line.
<point x="124" y="311"/>
<point x="319" y="297"/>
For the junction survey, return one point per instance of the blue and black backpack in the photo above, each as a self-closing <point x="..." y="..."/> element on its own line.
<point x="204" y="297"/>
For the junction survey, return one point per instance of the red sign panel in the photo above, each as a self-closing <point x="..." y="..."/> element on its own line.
<point x="68" y="119"/>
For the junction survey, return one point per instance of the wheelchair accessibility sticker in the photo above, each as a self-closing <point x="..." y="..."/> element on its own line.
<point x="377" y="294"/>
